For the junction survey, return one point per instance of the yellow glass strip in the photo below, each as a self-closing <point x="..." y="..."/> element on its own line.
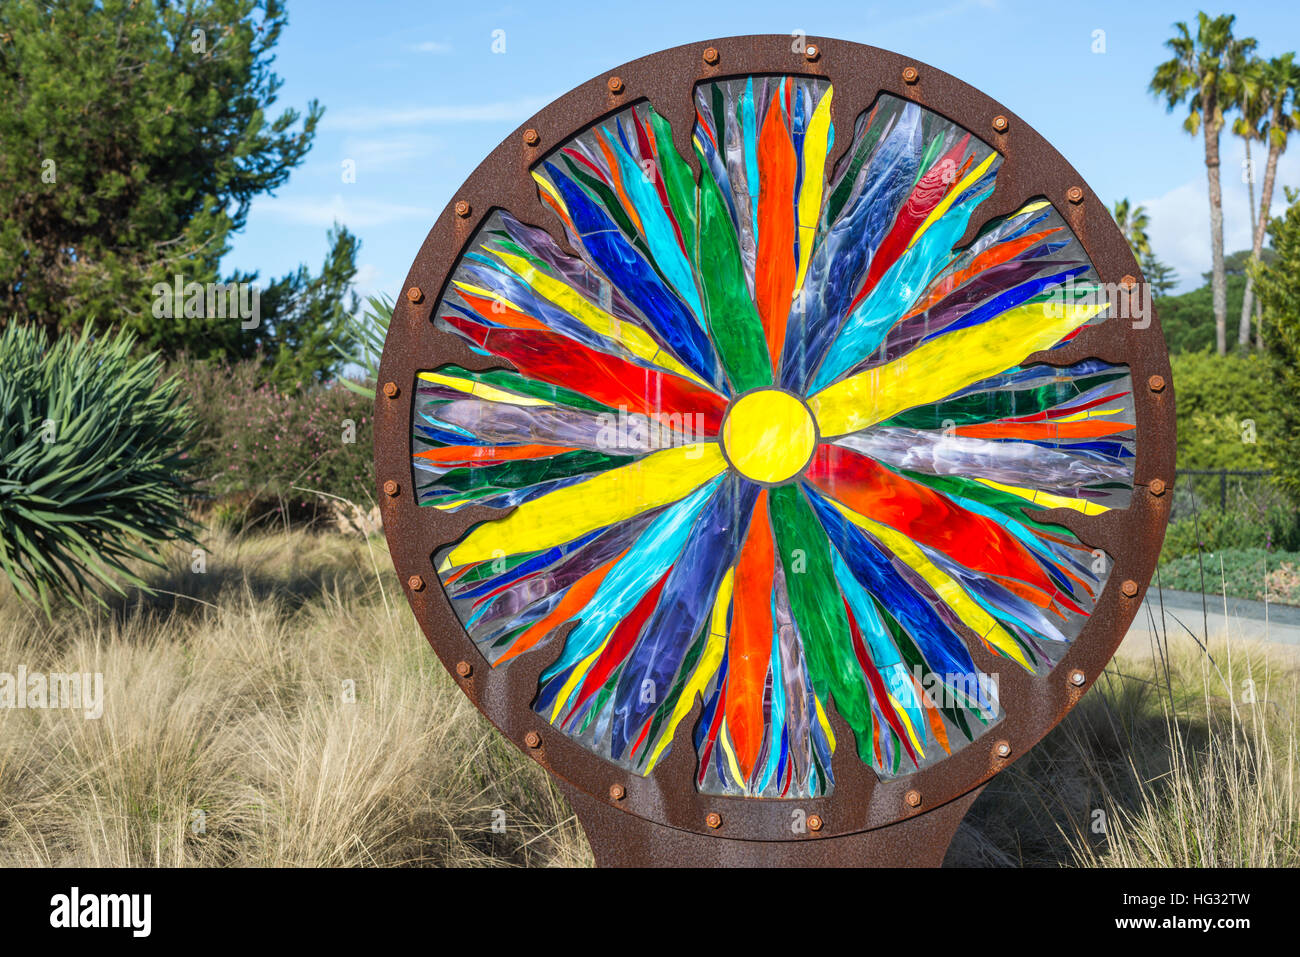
<point x="946" y="203"/>
<point x="456" y="504"/>
<point x="815" y="145"/>
<point x="907" y="723"/>
<point x="824" y="722"/>
<point x="1090" y="413"/>
<point x="614" y="496"/>
<point x="545" y="184"/>
<point x="938" y="368"/>
<point x="632" y="338"/>
<point x="576" y="677"/>
<point x="952" y="594"/>
<point x="724" y="739"/>
<point x="481" y="390"/>
<point x="705" y="668"/>
<point x="1031" y="208"/>
<point x="485" y="293"/>
<point x="1048" y="499"/>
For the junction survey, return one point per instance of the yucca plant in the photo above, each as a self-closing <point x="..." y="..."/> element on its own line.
<point x="366" y="333"/>
<point x="92" y="470"/>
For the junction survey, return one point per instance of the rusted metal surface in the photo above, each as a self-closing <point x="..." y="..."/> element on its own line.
<point x="623" y="840"/>
<point x="664" y="809"/>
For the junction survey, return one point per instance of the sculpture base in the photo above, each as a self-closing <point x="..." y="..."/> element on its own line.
<point x="619" y="839"/>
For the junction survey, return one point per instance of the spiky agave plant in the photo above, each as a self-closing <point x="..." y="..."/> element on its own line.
<point x="362" y="342"/>
<point x="92" y="471"/>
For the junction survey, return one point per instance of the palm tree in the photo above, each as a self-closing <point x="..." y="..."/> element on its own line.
<point x="1280" y="94"/>
<point x="1252" y="108"/>
<point x="1133" y="223"/>
<point x="1203" y="73"/>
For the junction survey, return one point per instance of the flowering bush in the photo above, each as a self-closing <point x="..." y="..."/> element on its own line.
<point x="264" y="452"/>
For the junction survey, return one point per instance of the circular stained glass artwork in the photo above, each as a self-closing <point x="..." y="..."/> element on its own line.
<point x="773" y="447"/>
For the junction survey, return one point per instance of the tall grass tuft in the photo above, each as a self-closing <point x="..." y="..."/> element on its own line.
<point x="1184" y="756"/>
<point x="276" y="710"/>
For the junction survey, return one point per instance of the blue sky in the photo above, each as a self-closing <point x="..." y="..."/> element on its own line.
<point x="416" y="98"/>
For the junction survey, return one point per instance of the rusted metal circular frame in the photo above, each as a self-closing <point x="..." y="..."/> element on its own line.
<point x="1032" y="704"/>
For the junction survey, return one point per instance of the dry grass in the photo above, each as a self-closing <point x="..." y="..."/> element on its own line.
<point x="232" y="702"/>
<point x="225" y="694"/>
<point x="1180" y="759"/>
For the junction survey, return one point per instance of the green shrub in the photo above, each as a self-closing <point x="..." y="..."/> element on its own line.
<point x="258" y="448"/>
<point x="1273" y="528"/>
<point x="91" y="461"/>
<point x="1278" y="286"/>
<point x="1187" y="319"/>
<point x="1253" y="573"/>
<point x="1229" y="411"/>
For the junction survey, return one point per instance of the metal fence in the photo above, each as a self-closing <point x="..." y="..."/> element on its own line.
<point x="1247" y="491"/>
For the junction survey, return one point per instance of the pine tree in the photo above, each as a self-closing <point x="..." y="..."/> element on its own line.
<point x="134" y="136"/>
<point x="1162" y="278"/>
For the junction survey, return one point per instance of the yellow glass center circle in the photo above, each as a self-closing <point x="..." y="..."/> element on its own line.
<point x="768" y="435"/>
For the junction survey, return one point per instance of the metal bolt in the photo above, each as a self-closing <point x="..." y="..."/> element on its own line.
<point x="615" y="84"/>
<point x="531" y="137"/>
<point x="1156" y="383"/>
<point x="713" y="818"/>
<point x="711" y="58"/>
<point x="391" y="390"/>
<point x="1002" y="749"/>
<point x="1157" y="486"/>
<point x="1074" y="194"/>
<point x="913" y="798"/>
<point x="1076" y="678"/>
<point x="416" y="583"/>
<point x="617" y="792"/>
<point x="464" y="669"/>
<point x="911" y="74"/>
<point x="462" y="208"/>
<point x="814" y="822"/>
<point x="1129" y="589"/>
<point x="415" y="294"/>
<point x="1000" y="123"/>
<point x="811" y="53"/>
<point x="391" y="488"/>
<point x="533" y="739"/>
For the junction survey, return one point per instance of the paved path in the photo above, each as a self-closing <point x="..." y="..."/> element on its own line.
<point x="1206" y="615"/>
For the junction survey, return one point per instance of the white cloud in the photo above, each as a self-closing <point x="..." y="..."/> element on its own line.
<point x="1180" y="218"/>
<point x="429" y="46"/>
<point x="501" y="111"/>
<point x="353" y="213"/>
<point x="373" y="154"/>
<point x="368" y="276"/>
<point x="372" y="280"/>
